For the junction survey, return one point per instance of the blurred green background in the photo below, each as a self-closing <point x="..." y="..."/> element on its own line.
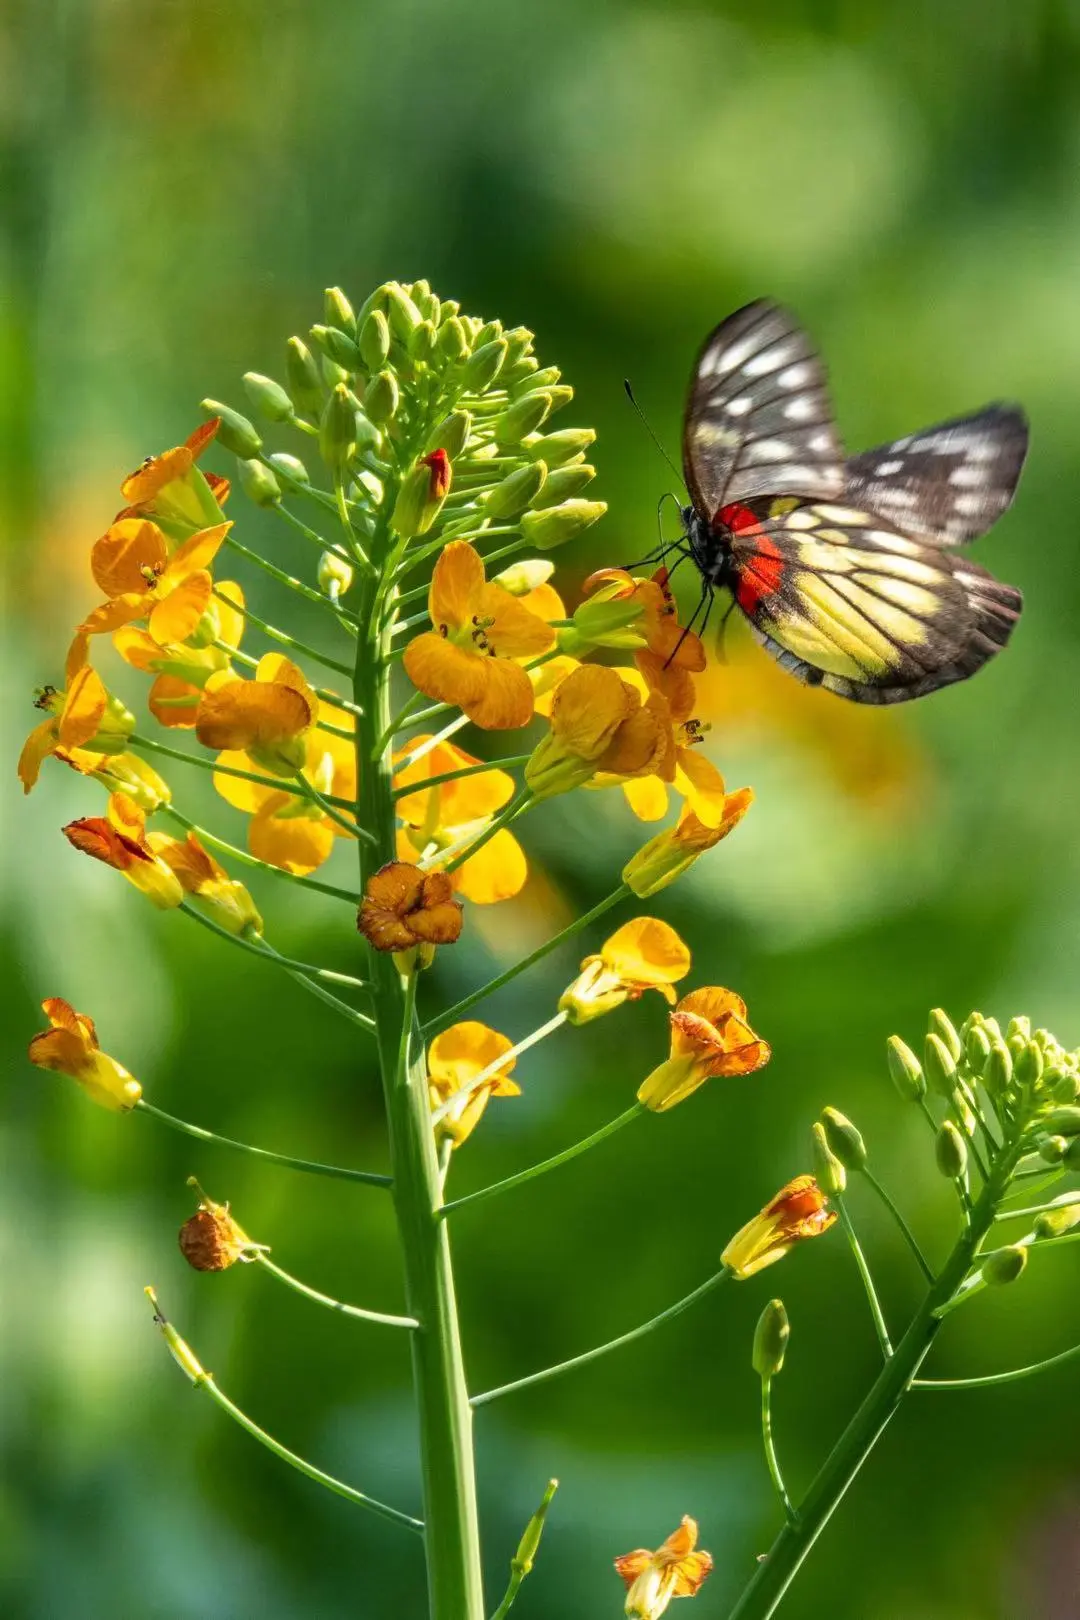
<point x="179" y="182"/>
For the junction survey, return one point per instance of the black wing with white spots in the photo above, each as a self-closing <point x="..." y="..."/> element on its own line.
<point x="947" y="484"/>
<point x="758" y="419"/>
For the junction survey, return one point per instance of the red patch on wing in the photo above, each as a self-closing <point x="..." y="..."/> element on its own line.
<point x="736" y="517"/>
<point x="760" y="567"/>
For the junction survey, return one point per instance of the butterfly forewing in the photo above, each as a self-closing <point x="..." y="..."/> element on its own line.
<point x="947" y="484"/>
<point x="758" y="419"/>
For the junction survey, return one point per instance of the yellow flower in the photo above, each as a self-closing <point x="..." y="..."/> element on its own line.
<point x="120" y="773"/>
<point x="695" y="778"/>
<point x="119" y="839"/>
<point x="455" y="1060"/>
<point x="709" y="1036"/>
<point x="268" y="717"/>
<point x="71" y="1047"/>
<point x="644" y="954"/>
<point x="673" y="851"/>
<point x="676" y="1569"/>
<point x="403" y="907"/>
<point x="183" y="669"/>
<point x="659" y="621"/>
<point x="799" y="1210"/>
<point x="224" y="899"/>
<point x="83" y="716"/>
<point x="171" y="489"/>
<point x="480" y="629"/>
<point x="446" y="816"/>
<point x="598" y="723"/>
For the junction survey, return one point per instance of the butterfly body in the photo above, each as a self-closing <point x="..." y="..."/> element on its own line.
<point x="847" y="569"/>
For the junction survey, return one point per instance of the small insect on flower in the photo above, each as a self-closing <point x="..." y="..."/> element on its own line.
<point x="403" y="907"/>
<point x="71" y="1047"/>
<point x="456" y="1059"/>
<point x="676" y="1569"/>
<point x="799" y="1211"/>
<point x="709" y="1036"/>
<point x="84" y="716"/>
<point x="644" y="954"/>
<point x="170" y="488"/>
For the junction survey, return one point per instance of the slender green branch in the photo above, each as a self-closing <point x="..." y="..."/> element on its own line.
<point x="267" y="953"/>
<point x="401" y="719"/>
<point x="909" y="1235"/>
<point x="423" y="749"/>
<point x="1062" y="1202"/>
<point x="985" y="1380"/>
<point x="308" y="592"/>
<point x="285" y="640"/>
<point x="487" y="1075"/>
<point x="279" y="784"/>
<point x="867" y="1280"/>
<point x="513" y="763"/>
<point x="313" y="535"/>
<point x="332" y="1304"/>
<point x="352" y="539"/>
<point x="247" y="859"/>
<point x="636" y="1112"/>
<point x="771" y="1459"/>
<point x="522" y="1562"/>
<point x="672" y="1311"/>
<point x="310" y="1167"/>
<point x="517" y="806"/>
<point x="348" y="823"/>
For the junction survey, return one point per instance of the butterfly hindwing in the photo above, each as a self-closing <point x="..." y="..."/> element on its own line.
<point x="947" y="484"/>
<point x="845" y="602"/>
<point x="758" y="419"/>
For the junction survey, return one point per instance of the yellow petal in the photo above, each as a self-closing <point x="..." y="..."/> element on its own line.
<point x="196" y="553"/>
<point x="588" y="708"/>
<point x="496" y="872"/>
<point x="246" y="714"/>
<point x="35" y="750"/>
<point x="647" y="951"/>
<point x="176" y="616"/>
<point x="457" y="577"/>
<point x="126" y="554"/>
<point x="230" y="607"/>
<point x="442" y="670"/>
<point x="85" y="703"/>
<point x="298" y="844"/>
<point x="464" y="1051"/>
<point x="513" y="632"/>
<point x="647" y="797"/>
<point x="701" y="785"/>
<point x="174" y="702"/>
<point x="506" y="699"/>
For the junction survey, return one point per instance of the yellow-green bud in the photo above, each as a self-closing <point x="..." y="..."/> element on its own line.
<point x="487" y="332"/>
<point x="1019" y="1026"/>
<point x="268" y="397"/>
<point x="426" y="302"/>
<point x="831" y="1175"/>
<point x="1004" y="1265"/>
<point x="484" y="365"/>
<point x="942" y="1026"/>
<point x="1063" y="1121"/>
<point x="1052" y="1149"/>
<point x="337" y="347"/>
<point x="339" y="312"/>
<point x="997" y="1074"/>
<point x="1016" y="1044"/>
<point x="1056" y="1222"/>
<point x="422" y="343"/>
<point x="290" y="468"/>
<point x="551" y="770"/>
<point x="951" y="1150"/>
<point x="258" y="483"/>
<point x="528" y="1546"/>
<point x="977" y="1047"/>
<point x="518" y="343"/>
<point x="560" y="396"/>
<point x="522" y="577"/>
<point x="939" y="1066"/>
<point x="335" y="574"/>
<point x="374" y="300"/>
<point x="453" y="344"/>
<point x="564" y="484"/>
<point x="559" y="448"/>
<point x="1064" y="1088"/>
<point x="905" y="1070"/>
<point x="602" y="624"/>
<point x="771" y="1340"/>
<point x="451" y="435"/>
<point x="516" y="491"/>
<point x="421" y="496"/>
<point x="374" y="341"/>
<point x="403" y="313"/>
<point x="332" y="373"/>
<point x="520" y="370"/>
<point x="539" y="379"/>
<point x="368" y="484"/>
<point x="302" y="376"/>
<point x="556" y="524"/>
<point x="381" y="398"/>
<point x="235" y="433"/>
<point x="337" y="430"/>
<point x="523" y="417"/>
<point x="1029" y="1064"/>
<point x="845" y="1139"/>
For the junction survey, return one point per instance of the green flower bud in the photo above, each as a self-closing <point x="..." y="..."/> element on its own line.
<point x="539" y="379"/>
<point x="525" y="367"/>
<point x="1004" y="1265"/>
<point x="1072" y="1154"/>
<point x="487" y="333"/>
<point x="337" y="347"/>
<point x="1029" y="1064"/>
<point x="451" y="435"/>
<point x="516" y="491"/>
<point x="905" y="1070"/>
<point x="426" y="302"/>
<point x="1019" y="1026"/>
<point x="368" y="484"/>
<point x="236" y="433"/>
<point x="422" y="343"/>
<point x="1062" y="1218"/>
<point x="302" y="376"/>
<point x="556" y="524"/>
<point x="268" y="397"/>
<point x="402" y="312"/>
<point x="559" y="448"/>
<point x="977" y="1048"/>
<point x="992" y="1028"/>
<point x="518" y="343"/>
<point x="523" y="417"/>
<point x="939" y="1066"/>
<point x="771" y="1340"/>
<point x="830" y="1173"/>
<point x="1063" y="1121"/>
<point x="560" y="396"/>
<point x="375" y="300"/>
<point x="1015" y="1044"/>
<point x="332" y="373"/>
<point x="564" y="484"/>
<point x="374" y="341"/>
<point x="1052" y="1149"/>
<point x="421" y="496"/>
<point x="942" y="1026"/>
<point x="844" y="1138"/>
<point x="602" y="624"/>
<point x="290" y="468"/>
<point x="997" y="1075"/>
<point x="522" y="1561"/>
<point x="484" y="365"/>
<point x="258" y="483"/>
<point x="337" y="430"/>
<point x="522" y="577"/>
<point x="951" y="1150"/>
<point x="335" y="574"/>
<point x="382" y="398"/>
<point x="453" y="344"/>
<point x="1064" y="1088"/>
<point x="339" y="312"/>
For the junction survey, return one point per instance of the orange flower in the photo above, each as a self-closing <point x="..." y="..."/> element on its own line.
<point x="71" y="1047"/>
<point x="403" y="907"/>
<point x="172" y="490"/>
<point x="204" y="880"/>
<point x="450" y="815"/>
<point x="120" y="773"/>
<point x="671" y="690"/>
<point x="673" y="851"/>
<point x="659" y="622"/>
<point x="119" y="839"/>
<point x="644" y="954"/>
<point x="675" y="1570"/>
<point x="709" y="1035"/>
<point x="183" y="669"/>
<point x="799" y="1210"/>
<point x="598" y="723"/>
<point x="83" y="717"/>
<point x="456" y="1059"/>
<point x="268" y="717"/>
<point x="468" y="659"/>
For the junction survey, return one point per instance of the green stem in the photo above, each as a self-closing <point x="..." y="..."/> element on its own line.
<point x="1010" y="1377"/>
<point x="313" y="535"/>
<point x="348" y="824"/>
<point x="279" y="784"/>
<point x="310" y="1167"/>
<point x="400" y="720"/>
<point x="1038" y="1209"/>
<point x="247" y="859"/>
<point x="285" y="640"/>
<point x="356" y="1311"/>
<point x="909" y="1235"/>
<point x="308" y="592"/>
<point x="517" y="806"/>
<point x="677" y="1309"/>
<point x="352" y="539"/>
<point x="500" y="1064"/>
<point x="268" y="954"/>
<point x="513" y="763"/>
<point x="545" y="1165"/>
<point x="867" y="1280"/>
<point x="771" y="1459"/>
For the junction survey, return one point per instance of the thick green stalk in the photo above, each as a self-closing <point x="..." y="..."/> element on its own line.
<point x="451" y="1525"/>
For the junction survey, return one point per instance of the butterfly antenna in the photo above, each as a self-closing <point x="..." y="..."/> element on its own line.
<point x="648" y="428"/>
<point x="705" y="600"/>
<point x="721" y="634"/>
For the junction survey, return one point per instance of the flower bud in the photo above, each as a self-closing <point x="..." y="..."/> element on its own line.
<point x="235" y="432"/>
<point x="942" y="1026"/>
<point x="268" y="397"/>
<point x="335" y="574"/>
<point x="337" y="347"/>
<point x="997" y="1075"/>
<point x="1020" y="1027"/>
<point x="1062" y="1218"/>
<point x="422" y="344"/>
<point x="520" y="370"/>
<point x="339" y="312"/>
<point x="302" y="377"/>
<point x="375" y="341"/>
<point x="844" y="1139"/>
<point x="332" y="373"/>
<point x="939" y="1065"/>
<point x="516" y="491"/>
<point x="537" y="380"/>
<point x="556" y="524"/>
<point x="771" y="1340"/>
<point x="402" y="312"/>
<point x="337" y="430"/>
<point x="451" y="434"/>
<point x="291" y="468"/>
<point x="905" y="1070"/>
<point x="560" y="396"/>
<point x="830" y="1173"/>
<point x="258" y="483"/>
<point x="529" y="1545"/>
<point x="1028" y="1067"/>
<point x="179" y="1349"/>
<point x="382" y="398"/>
<point x="977" y="1048"/>
<point x="453" y="344"/>
<point x="427" y="303"/>
<point x="421" y="495"/>
<point x="519" y="342"/>
<point x="951" y="1150"/>
<point x="484" y="365"/>
<point x="1064" y="1120"/>
<point x="1064" y="1088"/>
<point x="1004" y="1265"/>
<point x="598" y="623"/>
<point x="523" y="417"/>
<point x="1052" y="1149"/>
<point x="559" y="448"/>
<point x="564" y="484"/>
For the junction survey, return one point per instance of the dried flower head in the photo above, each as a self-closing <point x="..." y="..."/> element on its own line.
<point x="403" y="907"/>
<point x="799" y="1211"/>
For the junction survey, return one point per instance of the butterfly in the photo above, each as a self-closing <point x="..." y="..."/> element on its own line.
<point x="846" y="569"/>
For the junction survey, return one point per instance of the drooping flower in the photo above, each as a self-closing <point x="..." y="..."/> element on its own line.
<point x="799" y="1210"/>
<point x="172" y="490"/>
<point x="468" y="659"/>
<point x="211" y="1240"/>
<point x="455" y="1061"/>
<point x="709" y="1036"/>
<point x="207" y="884"/>
<point x="452" y="814"/>
<point x="644" y="954"/>
<point x="83" y="716"/>
<point x="71" y="1047"/>
<point x="120" y="773"/>
<point x="659" y="621"/>
<point x="119" y="840"/>
<point x="673" y="851"/>
<point x="676" y="1569"/>
<point x="267" y="718"/>
<point x="598" y="723"/>
<point x="182" y="670"/>
<point x="403" y="907"/>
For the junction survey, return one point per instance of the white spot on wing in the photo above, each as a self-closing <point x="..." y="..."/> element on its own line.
<point x="969" y="505"/>
<point x="796" y="376"/>
<point x="800" y="409"/>
<point x="768" y="360"/>
<point x="886" y="469"/>
<point x="964" y="477"/>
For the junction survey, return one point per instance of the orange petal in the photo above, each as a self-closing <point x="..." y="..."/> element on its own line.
<point x="125" y="554"/>
<point x="633" y="1564"/>
<point x="714" y="1003"/>
<point x="84" y="708"/>
<point x="246" y="714"/>
<point x="109" y="616"/>
<point x="96" y="836"/>
<point x="588" y="708"/>
<point x="506" y="699"/>
<point x="457" y="577"/>
<point x="514" y="632"/>
<point x="174" y="702"/>
<point x="230" y="607"/>
<point x="444" y="671"/>
<point x="62" y="1015"/>
<point x="545" y="602"/>
<point x="496" y="872"/>
<point x="35" y="750"/>
<point x="638" y="745"/>
<point x="176" y="616"/>
<point x="58" y="1050"/>
<point x="702" y="786"/>
<point x="246" y="796"/>
<point x="138" y="648"/>
<point x="675" y="682"/>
